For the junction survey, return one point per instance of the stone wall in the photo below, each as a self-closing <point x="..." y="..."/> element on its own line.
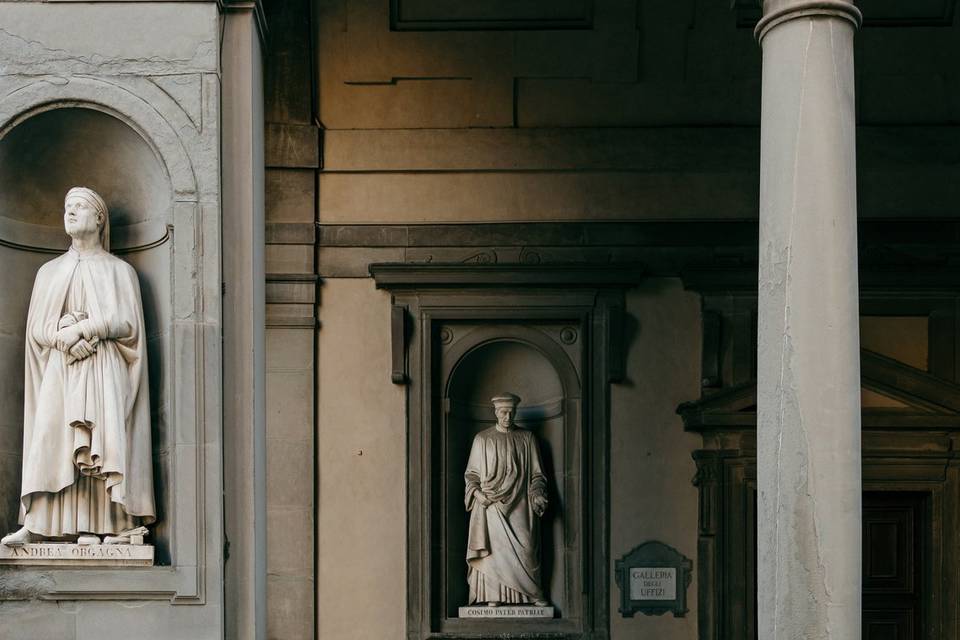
<point x="292" y="159"/>
<point x="148" y="74"/>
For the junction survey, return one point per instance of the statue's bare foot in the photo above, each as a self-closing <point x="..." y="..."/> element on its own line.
<point x="540" y="603"/>
<point x="18" y="538"/>
<point x="88" y="538"/>
<point x="129" y="536"/>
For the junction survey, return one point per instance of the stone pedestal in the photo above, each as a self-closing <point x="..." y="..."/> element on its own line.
<point x="78" y="555"/>
<point x="808" y="382"/>
<point x="508" y="611"/>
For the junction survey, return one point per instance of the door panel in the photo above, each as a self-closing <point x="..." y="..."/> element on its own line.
<point x="894" y="532"/>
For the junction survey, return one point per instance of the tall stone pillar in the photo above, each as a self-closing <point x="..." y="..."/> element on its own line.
<point x="808" y="427"/>
<point x="244" y="333"/>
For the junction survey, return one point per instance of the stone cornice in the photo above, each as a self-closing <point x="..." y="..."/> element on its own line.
<point x="229" y="6"/>
<point x="780" y="11"/>
<point x="398" y="276"/>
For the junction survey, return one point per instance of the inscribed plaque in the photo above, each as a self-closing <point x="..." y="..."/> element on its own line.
<point x="653" y="583"/>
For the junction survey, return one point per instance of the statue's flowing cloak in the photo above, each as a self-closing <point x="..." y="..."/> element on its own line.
<point x="111" y="440"/>
<point x="503" y="541"/>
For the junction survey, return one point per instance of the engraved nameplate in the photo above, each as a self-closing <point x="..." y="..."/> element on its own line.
<point x="653" y="580"/>
<point x="506" y="612"/>
<point x="653" y="583"/>
<point x="74" y="555"/>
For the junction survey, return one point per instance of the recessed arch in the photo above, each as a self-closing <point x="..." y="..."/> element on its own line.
<point x="120" y="102"/>
<point x="524" y="335"/>
<point x="52" y="150"/>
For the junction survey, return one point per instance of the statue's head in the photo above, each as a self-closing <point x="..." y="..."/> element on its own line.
<point x="85" y="214"/>
<point x="505" y="408"/>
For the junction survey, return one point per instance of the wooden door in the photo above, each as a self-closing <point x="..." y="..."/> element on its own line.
<point x="895" y="532"/>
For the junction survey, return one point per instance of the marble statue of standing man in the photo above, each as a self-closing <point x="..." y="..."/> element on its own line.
<point x="87" y="468"/>
<point x="506" y="494"/>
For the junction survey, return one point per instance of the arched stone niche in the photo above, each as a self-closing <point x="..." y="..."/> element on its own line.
<point x="43" y="153"/>
<point x="553" y="335"/>
<point x="519" y="360"/>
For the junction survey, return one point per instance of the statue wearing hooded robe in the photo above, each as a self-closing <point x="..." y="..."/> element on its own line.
<point x="87" y="469"/>
<point x="506" y="495"/>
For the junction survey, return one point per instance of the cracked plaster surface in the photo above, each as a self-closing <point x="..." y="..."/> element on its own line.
<point x="110" y="39"/>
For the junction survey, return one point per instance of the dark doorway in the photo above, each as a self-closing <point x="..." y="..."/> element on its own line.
<point x="910" y="535"/>
<point x="896" y="539"/>
<point x="897" y="535"/>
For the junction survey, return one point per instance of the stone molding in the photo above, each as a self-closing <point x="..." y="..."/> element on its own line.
<point x="233" y="6"/>
<point x="136" y="108"/>
<point x="575" y="15"/>
<point x="895" y="256"/>
<point x="292" y="300"/>
<point x="807" y="8"/>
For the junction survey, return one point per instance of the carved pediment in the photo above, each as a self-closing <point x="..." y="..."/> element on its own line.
<point x="899" y="396"/>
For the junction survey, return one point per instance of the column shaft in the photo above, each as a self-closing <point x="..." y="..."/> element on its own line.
<point x="808" y="423"/>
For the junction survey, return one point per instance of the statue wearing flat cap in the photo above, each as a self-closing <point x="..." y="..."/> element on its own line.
<point x="506" y="495"/>
<point x="87" y="469"/>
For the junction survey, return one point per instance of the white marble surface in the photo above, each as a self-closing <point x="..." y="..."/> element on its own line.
<point x="519" y="611"/>
<point x="506" y="495"/>
<point x="808" y="356"/>
<point x="86" y="365"/>
<point x="74" y="555"/>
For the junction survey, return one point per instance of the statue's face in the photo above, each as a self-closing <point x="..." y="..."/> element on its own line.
<point x="80" y="218"/>
<point x="505" y="416"/>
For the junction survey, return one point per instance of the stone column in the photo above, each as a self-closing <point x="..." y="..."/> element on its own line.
<point x="808" y="422"/>
<point x="244" y="304"/>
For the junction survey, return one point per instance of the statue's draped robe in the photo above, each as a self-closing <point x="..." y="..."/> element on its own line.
<point x="86" y="433"/>
<point x="503" y="542"/>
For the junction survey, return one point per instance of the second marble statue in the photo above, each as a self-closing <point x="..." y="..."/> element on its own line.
<point x="506" y="495"/>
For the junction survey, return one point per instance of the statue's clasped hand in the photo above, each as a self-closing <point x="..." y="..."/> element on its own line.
<point x="67" y="337"/>
<point x="70" y="340"/>
<point x="82" y="349"/>
<point x="539" y="501"/>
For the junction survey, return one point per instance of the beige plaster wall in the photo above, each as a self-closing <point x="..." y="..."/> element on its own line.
<point x="491" y="125"/>
<point x="361" y="444"/>
<point x="652" y="496"/>
<point x="361" y="542"/>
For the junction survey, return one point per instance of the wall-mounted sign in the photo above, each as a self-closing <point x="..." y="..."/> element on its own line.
<point x="653" y="583"/>
<point x="653" y="579"/>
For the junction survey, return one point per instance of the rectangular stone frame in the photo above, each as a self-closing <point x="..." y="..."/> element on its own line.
<point x="430" y="294"/>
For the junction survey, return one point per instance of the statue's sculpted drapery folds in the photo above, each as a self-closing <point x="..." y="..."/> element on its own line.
<point x="87" y="463"/>
<point x="506" y="494"/>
